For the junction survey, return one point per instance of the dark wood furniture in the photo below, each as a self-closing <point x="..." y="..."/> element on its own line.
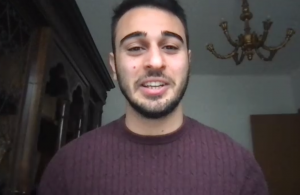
<point x="276" y="147"/>
<point x="53" y="85"/>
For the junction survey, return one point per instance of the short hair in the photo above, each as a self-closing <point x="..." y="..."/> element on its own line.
<point x="171" y="6"/>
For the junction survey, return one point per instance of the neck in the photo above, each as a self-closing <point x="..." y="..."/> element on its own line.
<point x="153" y="127"/>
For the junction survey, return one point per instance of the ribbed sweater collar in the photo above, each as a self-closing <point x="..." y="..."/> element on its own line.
<point x="153" y="140"/>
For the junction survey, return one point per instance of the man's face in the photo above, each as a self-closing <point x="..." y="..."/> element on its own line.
<point x="151" y="61"/>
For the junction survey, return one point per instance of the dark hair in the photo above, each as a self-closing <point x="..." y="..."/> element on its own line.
<point x="171" y="6"/>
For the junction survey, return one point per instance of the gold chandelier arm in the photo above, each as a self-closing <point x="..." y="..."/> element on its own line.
<point x="224" y="27"/>
<point x="269" y="58"/>
<point x="289" y="33"/>
<point x="211" y="48"/>
<point x="267" y="26"/>
<point x="263" y="37"/>
<point x="238" y="60"/>
<point x="229" y="39"/>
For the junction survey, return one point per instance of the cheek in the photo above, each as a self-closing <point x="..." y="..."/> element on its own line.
<point x="179" y="66"/>
<point x="132" y="68"/>
<point x="129" y="64"/>
<point x="128" y="72"/>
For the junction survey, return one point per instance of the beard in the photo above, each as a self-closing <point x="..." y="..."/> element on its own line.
<point x="161" y="109"/>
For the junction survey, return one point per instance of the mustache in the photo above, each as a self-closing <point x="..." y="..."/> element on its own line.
<point x="154" y="73"/>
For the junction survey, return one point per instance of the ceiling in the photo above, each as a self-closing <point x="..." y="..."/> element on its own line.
<point x="203" y="21"/>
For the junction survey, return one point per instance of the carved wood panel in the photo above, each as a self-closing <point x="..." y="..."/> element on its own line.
<point x="11" y="86"/>
<point x="76" y="90"/>
<point x="54" y="94"/>
<point x="14" y="40"/>
<point x="26" y="136"/>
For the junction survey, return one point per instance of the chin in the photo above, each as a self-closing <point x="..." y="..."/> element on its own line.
<point x="159" y="98"/>
<point x="154" y="109"/>
<point x="153" y="102"/>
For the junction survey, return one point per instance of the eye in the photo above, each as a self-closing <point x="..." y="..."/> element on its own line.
<point x="170" y="47"/>
<point x="135" y="49"/>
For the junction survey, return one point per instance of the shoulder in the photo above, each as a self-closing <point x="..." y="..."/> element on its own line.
<point x="94" y="138"/>
<point x="77" y="152"/>
<point x="221" y="150"/>
<point x="211" y="135"/>
<point x="221" y="144"/>
<point x="88" y="144"/>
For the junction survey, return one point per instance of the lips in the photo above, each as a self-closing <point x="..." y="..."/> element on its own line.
<point x="154" y="87"/>
<point x="154" y="84"/>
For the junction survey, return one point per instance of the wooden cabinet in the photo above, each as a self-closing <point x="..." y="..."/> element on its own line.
<point x="276" y="146"/>
<point x="53" y="86"/>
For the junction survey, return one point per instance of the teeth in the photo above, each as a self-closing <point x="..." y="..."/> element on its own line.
<point x="154" y="84"/>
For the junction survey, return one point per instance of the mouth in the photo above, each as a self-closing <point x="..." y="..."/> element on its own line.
<point x="154" y="84"/>
<point x="154" y="88"/>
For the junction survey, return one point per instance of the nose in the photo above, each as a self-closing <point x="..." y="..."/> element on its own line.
<point x="155" y="59"/>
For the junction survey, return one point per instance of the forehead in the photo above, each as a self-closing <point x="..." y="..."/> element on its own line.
<point x="150" y="20"/>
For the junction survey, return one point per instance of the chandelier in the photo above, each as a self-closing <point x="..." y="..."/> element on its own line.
<point x="249" y="42"/>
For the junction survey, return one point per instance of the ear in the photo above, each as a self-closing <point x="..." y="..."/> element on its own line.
<point x="190" y="56"/>
<point x="190" y="60"/>
<point x="112" y="64"/>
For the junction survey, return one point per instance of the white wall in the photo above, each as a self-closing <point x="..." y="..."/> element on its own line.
<point x="225" y="102"/>
<point x="296" y="87"/>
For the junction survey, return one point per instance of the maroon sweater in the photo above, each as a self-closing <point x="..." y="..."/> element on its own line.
<point x="194" y="160"/>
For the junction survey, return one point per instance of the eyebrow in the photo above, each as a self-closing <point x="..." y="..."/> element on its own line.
<point x="135" y="34"/>
<point x="138" y="34"/>
<point x="173" y="35"/>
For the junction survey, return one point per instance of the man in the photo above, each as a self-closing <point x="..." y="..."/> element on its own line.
<point x="154" y="149"/>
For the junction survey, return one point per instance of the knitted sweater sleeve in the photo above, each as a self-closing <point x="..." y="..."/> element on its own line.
<point x="254" y="181"/>
<point x="53" y="181"/>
